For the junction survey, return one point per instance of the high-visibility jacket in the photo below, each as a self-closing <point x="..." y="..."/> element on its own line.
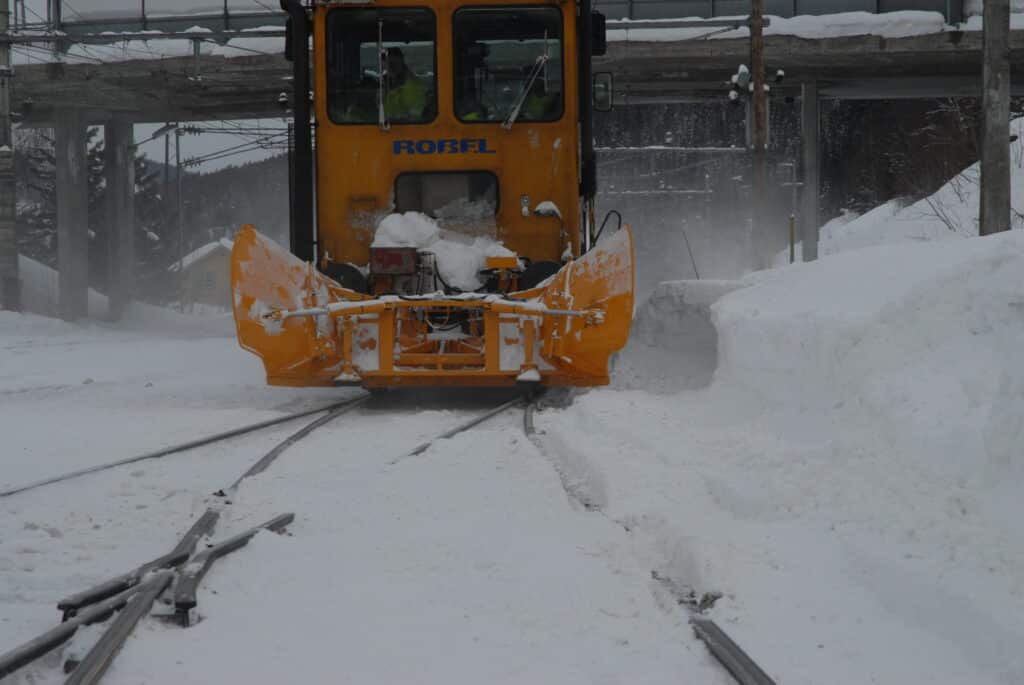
<point x="536" y="106"/>
<point x="407" y="100"/>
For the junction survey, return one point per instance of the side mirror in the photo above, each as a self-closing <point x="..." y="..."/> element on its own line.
<point x="599" y="35"/>
<point x="603" y="91"/>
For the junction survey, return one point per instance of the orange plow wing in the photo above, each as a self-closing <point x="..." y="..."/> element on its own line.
<point x="310" y="331"/>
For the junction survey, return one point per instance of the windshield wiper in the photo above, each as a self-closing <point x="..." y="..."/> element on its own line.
<point x="539" y="66"/>
<point x="382" y="78"/>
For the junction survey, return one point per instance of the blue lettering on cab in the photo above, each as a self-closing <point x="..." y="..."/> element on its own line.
<point x="442" y="146"/>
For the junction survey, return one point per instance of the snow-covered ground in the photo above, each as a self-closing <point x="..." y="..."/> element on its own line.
<point x="849" y="480"/>
<point x="467" y="562"/>
<point x="835" y="446"/>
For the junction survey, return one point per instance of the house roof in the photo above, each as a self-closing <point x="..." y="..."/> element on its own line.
<point x="201" y="253"/>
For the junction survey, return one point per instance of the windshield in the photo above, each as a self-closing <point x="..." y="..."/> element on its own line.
<point x="508" y="57"/>
<point x="380" y="66"/>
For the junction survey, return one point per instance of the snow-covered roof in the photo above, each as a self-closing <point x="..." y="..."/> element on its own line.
<point x="201" y="253"/>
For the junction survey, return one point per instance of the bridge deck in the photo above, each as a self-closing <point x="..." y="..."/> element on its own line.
<point x="935" y="65"/>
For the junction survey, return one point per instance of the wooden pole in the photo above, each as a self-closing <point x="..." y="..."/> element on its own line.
<point x="759" y="102"/>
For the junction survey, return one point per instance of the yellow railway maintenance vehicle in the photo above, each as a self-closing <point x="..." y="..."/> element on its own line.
<point x="468" y="122"/>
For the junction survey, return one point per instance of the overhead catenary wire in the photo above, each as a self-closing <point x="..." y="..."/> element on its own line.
<point x="267" y="143"/>
<point x="256" y="142"/>
<point x="234" y="153"/>
<point x="49" y="53"/>
<point x="229" y="46"/>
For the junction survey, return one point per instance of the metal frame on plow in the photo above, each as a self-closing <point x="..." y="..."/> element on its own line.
<point x="397" y="365"/>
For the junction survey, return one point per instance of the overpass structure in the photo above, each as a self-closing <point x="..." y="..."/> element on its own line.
<point x="653" y="61"/>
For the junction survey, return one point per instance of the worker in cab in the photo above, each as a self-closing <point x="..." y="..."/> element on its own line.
<point x="541" y="105"/>
<point x="407" y="96"/>
<point x="471" y="109"/>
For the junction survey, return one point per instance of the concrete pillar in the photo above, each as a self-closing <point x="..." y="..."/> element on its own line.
<point x="119" y="169"/>
<point x="810" y="143"/>
<point x="10" y="295"/>
<point x="994" y="209"/>
<point x="72" y="215"/>
<point x="10" y="285"/>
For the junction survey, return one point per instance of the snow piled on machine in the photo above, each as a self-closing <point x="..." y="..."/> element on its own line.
<point x="459" y="257"/>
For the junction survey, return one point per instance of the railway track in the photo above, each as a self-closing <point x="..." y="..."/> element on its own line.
<point x="743" y="669"/>
<point x="173" y="579"/>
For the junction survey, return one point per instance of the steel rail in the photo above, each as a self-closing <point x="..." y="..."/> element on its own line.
<point x="739" y="664"/>
<point x="33" y="649"/>
<point x="199" y="565"/>
<point x="174" y="449"/>
<point x="134" y="592"/>
<point x="203" y="526"/>
<point x="91" y="669"/>
<point x="269" y="458"/>
<point x="100" y="601"/>
<point x="462" y="427"/>
<point x="177" y="556"/>
<point x="730" y="655"/>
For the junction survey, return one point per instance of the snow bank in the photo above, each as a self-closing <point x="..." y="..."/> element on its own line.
<point x="40" y="289"/>
<point x="854" y="466"/>
<point x="459" y="257"/>
<point x="855" y="463"/>
<point x="916" y="336"/>
<point x="40" y="292"/>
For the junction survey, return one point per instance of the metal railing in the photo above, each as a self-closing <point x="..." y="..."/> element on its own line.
<point x="217" y="16"/>
<point x="93" y="16"/>
<point x="952" y="10"/>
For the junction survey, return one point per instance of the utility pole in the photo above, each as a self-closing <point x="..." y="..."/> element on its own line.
<point x="759" y="103"/>
<point x="994" y="210"/>
<point x="10" y="284"/>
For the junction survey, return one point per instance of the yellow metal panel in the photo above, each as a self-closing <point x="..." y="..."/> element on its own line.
<point x="502" y="262"/>
<point x="357" y="165"/>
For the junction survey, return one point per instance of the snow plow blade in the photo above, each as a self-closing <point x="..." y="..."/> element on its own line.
<point x="309" y="331"/>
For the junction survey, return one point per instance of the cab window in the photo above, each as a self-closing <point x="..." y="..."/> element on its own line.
<point x="508" y="64"/>
<point x="381" y="66"/>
